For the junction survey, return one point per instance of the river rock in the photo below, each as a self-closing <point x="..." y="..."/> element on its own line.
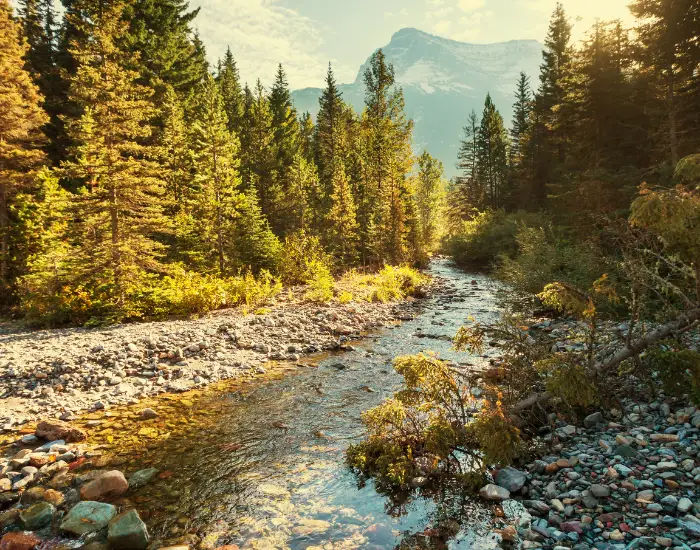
<point x="592" y="420"/>
<point x="127" y="532"/>
<point x="87" y="517"/>
<point x="494" y="492"/>
<point x="142" y="477"/>
<point x="107" y="485"/>
<point x="147" y="414"/>
<point x="37" y="515"/>
<point x="52" y="430"/>
<point x="511" y="479"/>
<point x="19" y="541"/>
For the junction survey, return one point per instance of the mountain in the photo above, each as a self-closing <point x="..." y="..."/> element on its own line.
<point x="443" y="80"/>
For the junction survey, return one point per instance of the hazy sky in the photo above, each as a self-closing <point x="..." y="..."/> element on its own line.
<point x="306" y="34"/>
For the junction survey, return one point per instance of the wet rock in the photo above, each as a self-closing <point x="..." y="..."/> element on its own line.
<point x="19" y="541"/>
<point x="52" y="430"/>
<point x="494" y="492"/>
<point x="592" y="420"/>
<point x="127" y="532"/>
<point x="37" y="515"/>
<point x="87" y="517"/>
<point x="599" y="491"/>
<point x="309" y="526"/>
<point x="107" y="485"/>
<point x="142" y="477"/>
<point x="511" y="479"/>
<point x="147" y="414"/>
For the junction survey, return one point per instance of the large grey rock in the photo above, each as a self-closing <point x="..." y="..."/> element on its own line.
<point x="592" y="420"/>
<point x="511" y="479"/>
<point x="37" y="515"/>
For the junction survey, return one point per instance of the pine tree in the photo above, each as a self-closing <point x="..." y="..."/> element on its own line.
<point x="38" y="25"/>
<point x="169" y="56"/>
<point x="521" y="120"/>
<point x="668" y="48"/>
<point x="384" y="196"/>
<point x="342" y="222"/>
<point x="491" y="156"/>
<point x="175" y="154"/>
<point x="428" y="196"/>
<point x="231" y="91"/>
<point x="303" y="200"/>
<point x="259" y="154"/>
<point x="306" y="136"/>
<point x="285" y="125"/>
<point x="468" y="193"/>
<point x="257" y="247"/>
<point x="329" y="140"/>
<point x="21" y="119"/>
<point x="121" y="210"/>
<point x="216" y="178"/>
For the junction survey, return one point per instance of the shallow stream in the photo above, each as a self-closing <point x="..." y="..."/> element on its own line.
<point x="267" y="467"/>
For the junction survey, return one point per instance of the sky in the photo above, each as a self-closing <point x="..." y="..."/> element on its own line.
<point x="304" y="35"/>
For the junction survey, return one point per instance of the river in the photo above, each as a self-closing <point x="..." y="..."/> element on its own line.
<point x="267" y="469"/>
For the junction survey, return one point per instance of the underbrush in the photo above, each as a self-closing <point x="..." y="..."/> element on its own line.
<point x="391" y="283"/>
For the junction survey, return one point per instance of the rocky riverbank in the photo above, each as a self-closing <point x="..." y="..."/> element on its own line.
<point x="57" y="373"/>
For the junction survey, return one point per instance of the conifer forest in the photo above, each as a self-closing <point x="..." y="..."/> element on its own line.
<point x="227" y="323"/>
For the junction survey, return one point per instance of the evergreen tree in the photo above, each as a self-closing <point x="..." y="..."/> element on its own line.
<point x="303" y="200"/>
<point x="384" y="195"/>
<point x="175" y="154"/>
<point x="428" y="195"/>
<point x="329" y="140"/>
<point x="121" y="209"/>
<point x="257" y="247"/>
<point x="521" y="120"/>
<point x="21" y="118"/>
<point x="231" y="91"/>
<point x="491" y="157"/>
<point x="168" y="55"/>
<point x="306" y="136"/>
<point x="468" y="193"/>
<point x="668" y="48"/>
<point x="342" y="222"/>
<point x="285" y="125"/>
<point x="216" y="177"/>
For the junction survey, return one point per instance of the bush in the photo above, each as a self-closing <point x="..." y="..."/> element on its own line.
<point x="299" y="251"/>
<point x="487" y="237"/>
<point x="320" y="282"/>
<point x="544" y="257"/>
<point x="390" y="283"/>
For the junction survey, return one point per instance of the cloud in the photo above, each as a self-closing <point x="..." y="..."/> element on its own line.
<point x="261" y="34"/>
<point x="470" y="5"/>
<point x="457" y="19"/>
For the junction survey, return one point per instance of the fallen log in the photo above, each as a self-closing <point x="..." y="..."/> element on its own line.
<point x="680" y="323"/>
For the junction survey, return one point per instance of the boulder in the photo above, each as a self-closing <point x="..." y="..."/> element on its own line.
<point x="127" y="532"/>
<point x="52" y="430"/>
<point x="592" y="420"/>
<point x="511" y="479"/>
<point x="494" y="492"/>
<point x="37" y="515"/>
<point x="19" y="541"/>
<point x="107" y="485"/>
<point x="142" y="477"/>
<point x="87" y="517"/>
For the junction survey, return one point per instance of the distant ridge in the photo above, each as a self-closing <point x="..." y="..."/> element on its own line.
<point x="443" y="80"/>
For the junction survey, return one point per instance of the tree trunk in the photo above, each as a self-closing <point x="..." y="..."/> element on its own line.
<point x="4" y="236"/>
<point x="682" y="322"/>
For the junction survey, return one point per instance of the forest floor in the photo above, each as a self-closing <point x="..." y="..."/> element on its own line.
<point x="59" y="372"/>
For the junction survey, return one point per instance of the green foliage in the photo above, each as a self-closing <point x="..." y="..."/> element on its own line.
<point x="677" y="369"/>
<point x="319" y="281"/>
<point x="568" y="380"/>
<point x="301" y="249"/>
<point x="487" y="237"/>
<point x="496" y="436"/>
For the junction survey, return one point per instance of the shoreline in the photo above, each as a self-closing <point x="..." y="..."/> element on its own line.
<point x="58" y="373"/>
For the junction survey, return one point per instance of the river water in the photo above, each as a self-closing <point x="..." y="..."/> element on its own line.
<point x="267" y="469"/>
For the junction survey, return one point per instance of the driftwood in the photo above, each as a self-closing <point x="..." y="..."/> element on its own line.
<point x="679" y="324"/>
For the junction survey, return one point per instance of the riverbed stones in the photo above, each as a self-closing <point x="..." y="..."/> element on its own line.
<point x="494" y="493"/>
<point x="51" y="430"/>
<point x="142" y="477"/>
<point x="106" y="485"/>
<point x="19" y="541"/>
<point x="37" y="515"/>
<point x="127" y="532"/>
<point x="510" y="479"/>
<point x="87" y="517"/>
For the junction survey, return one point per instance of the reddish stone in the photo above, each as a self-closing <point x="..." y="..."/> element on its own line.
<point x="571" y="527"/>
<point x="77" y="463"/>
<point x="228" y="547"/>
<point x="52" y="430"/>
<point x="107" y="485"/>
<point x="551" y="468"/>
<point x="624" y="527"/>
<point x="19" y="541"/>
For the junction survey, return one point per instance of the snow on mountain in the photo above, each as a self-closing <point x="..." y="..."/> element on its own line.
<point x="443" y="80"/>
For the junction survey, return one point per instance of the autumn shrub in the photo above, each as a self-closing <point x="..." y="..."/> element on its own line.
<point x="319" y="281"/>
<point x="300" y="251"/>
<point x="388" y="284"/>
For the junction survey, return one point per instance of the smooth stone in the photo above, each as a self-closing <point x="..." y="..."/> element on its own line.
<point x="19" y="541"/>
<point x="142" y="477"/>
<point x="37" y="515"/>
<point x="510" y="479"/>
<point x="87" y="517"/>
<point x="494" y="492"/>
<point x="127" y="532"/>
<point x="106" y="485"/>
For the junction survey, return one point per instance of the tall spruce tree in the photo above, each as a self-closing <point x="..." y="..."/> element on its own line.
<point x="428" y="196"/>
<point x="521" y="120"/>
<point x="121" y="210"/>
<point x="468" y="194"/>
<point x="306" y="136"/>
<point x="216" y="178"/>
<point x="21" y="119"/>
<point x="342" y="222"/>
<point x="384" y="196"/>
<point x="491" y="157"/>
<point x="231" y="92"/>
